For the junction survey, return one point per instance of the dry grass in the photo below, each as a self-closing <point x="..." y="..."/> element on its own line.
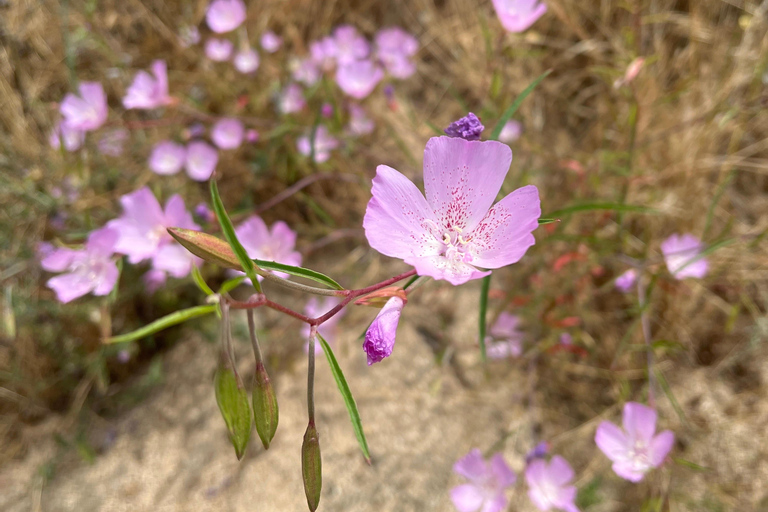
<point x="689" y="138"/>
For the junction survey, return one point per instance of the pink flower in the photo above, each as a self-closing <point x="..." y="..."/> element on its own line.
<point x="247" y="61"/>
<point x="201" y="160"/>
<point x="85" y="112"/>
<point x="167" y="158"/>
<point x="291" y="100"/>
<point x="227" y="133"/>
<point x="380" y="336"/>
<point x="350" y="46"/>
<point x="358" y="78"/>
<point x="275" y="244"/>
<point x="72" y="138"/>
<point x="510" y="132"/>
<point x="225" y="15"/>
<point x="323" y="53"/>
<point x="359" y="122"/>
<point x="111" y="143"/>
<point x="142" y="227"/>
<point x="518" y="15"/>
<point x="468" y="127"/>
<point x="394" y="48"/>
<point x="455" y="228"/>
<point x="329" y="329"/>
<point x="635" y="450"/>
<point x="271" y="42"/>
<point x="174" y="260"/>
<point x="305" y="71"/>
<point x="90" y="270"/>
<point x="626" y="280"/>
<point x="547" y="484"/>
<point x="218" y="50"/>
<point x="487" y="483"/>
<point x="252" y="136"/>
<point x="505" y="339"/>
<point x="326" y="110"/>
<point x="324" y="144"/>
<point x="147" y="92"/>
<point x="679" y="254"/>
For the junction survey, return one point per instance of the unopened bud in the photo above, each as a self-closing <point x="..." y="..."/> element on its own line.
<point x="233" y="404"/>
<point x="311" y="466"/>
<point x="265" y="412"/>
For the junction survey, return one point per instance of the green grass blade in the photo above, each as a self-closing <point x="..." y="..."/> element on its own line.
<point x="547" y="221"/>
<point x="163" y="323"/>
<point x="300" y="272"/>
<point x="200" y="282"/>
<point x="486" y="287"/>
<point x="515" y="105"/>
<point x="349" y="400"/>
<point x="229" y="233"/>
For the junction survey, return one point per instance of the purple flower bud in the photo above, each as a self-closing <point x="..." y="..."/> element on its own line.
<point x="271" y="42"/>
<point x="167" y="158"/>
<point x="225" y="15"/>
<point x="204" y="213"/>
<point x="227" y="133"/>
<point x="218" y="50"/>
<point x="380" y="337"/>
<point x="539" y="451"/>
<point x="327" y="110"/>
<point x="201" y="160"/>
<point x="247" y="61"/>
<point x="468" y="127"/>
<point x="252" y="136"/>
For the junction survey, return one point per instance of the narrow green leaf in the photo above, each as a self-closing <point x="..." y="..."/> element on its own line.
<point x="300" y="272"/>
<point x="349" y="400"/>
<point x="229" y="233"/>
<point x="668" y="391"/>
<point x="690" y="465"/>
<point x="515" y="105"/>
<point x="163" y="323"/>
<point x="233" y="404"/>
<point x="484" y="290"/>
<point x="197" y="277"/>
<point x="584" y="207"/>
<point x="547" y="221"/>
<point x="716" y="199"/>
<point x="231" y="284"/>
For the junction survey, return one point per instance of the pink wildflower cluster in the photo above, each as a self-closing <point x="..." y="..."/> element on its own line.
<point x="224" y="16"/>
<point x="80" y="113"/>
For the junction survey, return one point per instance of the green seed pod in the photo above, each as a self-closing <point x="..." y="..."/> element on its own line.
<point x="311" y="466"/>
<point x="233" y="404"/>
<point x="265" y="411"/>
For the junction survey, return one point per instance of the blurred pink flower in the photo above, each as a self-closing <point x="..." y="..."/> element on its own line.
<point x="626" y="280"/>
<point x="485" y="492"/>
<point x="381" y="334"/>
<point x="359" y="122"/>
<point x="679" y="252"/>
<point x="291" y="100"/>
<point x="518" y="15"/>
<point x="174" y="260"/>
<point x="324" y="144"/>
<point x="90" y="270"/>
<point x="271" y="42"/>
<point x="358" y="78"/>
<point x="635" y="450"/>
<point x="275" y="244"/>
<point x="323" y="53"/>
<point x="111" y="143"/>
<point x="350" y="45"/>
<point x="455" y="228"/>
<point x="247" y="61"/>
<point x="329" y="329"/>
<point x="252" y="136"/>
<point x="504" y="339"/>
<point x="227" y="133"/>
<point x="548" y="484"/>
<point x="225" y="15"/>
<point x="142" y="226"/>
<point x="154" y="280"/>
<point x="201" y="160"/>
<point x="394" y="48"/>
<point x="218" y="50"/>
<point x="305" y="71"/>
<point x="326" y="110"/>
<point x="510" y="132"/>
<point x="468" y="127"/>
<point x="73" y="139"/>
<point x="85" y="112"/>
<point x="167" y="158"/>
<point x="147" y="92"/>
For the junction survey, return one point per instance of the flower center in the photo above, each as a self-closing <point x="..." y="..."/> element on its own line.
<point x="639" y="456"/>
<point x="457" y="247"/>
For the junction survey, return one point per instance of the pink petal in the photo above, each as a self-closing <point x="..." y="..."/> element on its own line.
<point x="59" y="260"/>
<point x="497" y="504"/>
<point x="462" y="178"/>
<point x="472" y="466"/>
<point x="201" y="160"/>
<point x="503" y="473"/>
<point x="69" y="287"/>
<point x="174" y="259"/>
<point x="440" y="267"/>
<point x="252" y="233"/>
<point x="107" y="278"/>
<point x="565" y="497"/>
<point x="627" y="471"/>
<point x="536" y="473"/>
<point x="612" y="441"/>
<point x="559" y="471"/>
<point x="161" y="74"/>
<point x="176" y="214"/>
<point x="467" y="498"/>
<point x="660" y="447"/>
<point x="396" y="216"/>
<point x="504" y="235"/>
<point x="639" y="421"/>
<point x="103" y="241"/>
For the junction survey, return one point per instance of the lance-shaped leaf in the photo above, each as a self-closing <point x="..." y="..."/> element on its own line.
<point x="349" y="400"/>
<point x="163" y="323"/>
<point x="233" y="404"/>
<point x="311" y="466"/>
<point x="265" y="411"/>
<point x="483" y="314"/>
<point x="515" y="105"/>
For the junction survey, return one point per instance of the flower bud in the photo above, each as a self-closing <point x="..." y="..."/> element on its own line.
<point x="265" y="412"/>
<point x="233" y="404"/>
<point x="380" y="337"/>
<point x="311" y="466"/>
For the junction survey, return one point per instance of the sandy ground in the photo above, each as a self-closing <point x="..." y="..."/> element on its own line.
<point x="170" y="453"/>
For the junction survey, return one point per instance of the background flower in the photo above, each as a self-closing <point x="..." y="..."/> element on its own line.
<point x="485" y="492"/>
<point x="225" y="15"/>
